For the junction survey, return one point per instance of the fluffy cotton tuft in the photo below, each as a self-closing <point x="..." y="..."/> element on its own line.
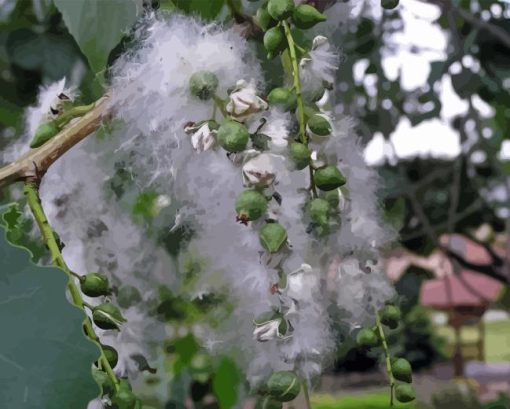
<point x="89" y="193"/>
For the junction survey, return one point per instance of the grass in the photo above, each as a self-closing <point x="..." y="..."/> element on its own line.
<point x="497" y="340"/>
<point x="375" y="400"/>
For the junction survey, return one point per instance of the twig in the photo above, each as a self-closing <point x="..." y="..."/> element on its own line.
<point x="299" y="97"/>
<point x="386" y="354"/>
<point x="37" y="161"/>
<point x="48" y="235"/>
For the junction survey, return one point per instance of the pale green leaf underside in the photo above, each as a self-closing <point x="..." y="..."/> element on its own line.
<point x="45" y="359"/>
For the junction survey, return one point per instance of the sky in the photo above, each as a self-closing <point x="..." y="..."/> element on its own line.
<point x="433" y="137"/>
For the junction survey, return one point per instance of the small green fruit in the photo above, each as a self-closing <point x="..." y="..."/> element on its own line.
<point x="319" y="211"/>
<point x="283" y="386"/>
<point x="201" y="363"/>
<point x="111" y="355"/>
<point x="104" y="381"/>
<point x="273" y="236"/>
<point x="306" y="16"/>
<point x="367" y="338"/>
<point x="203" y="84"/>
<point x="274" y="41"/>
<point x="328" y="178"/>
<point x="332" y="197"/>
<point x="390" y="316"/>
<point x="266" y="317"/>
<point x="124" y="399"/>
<point x="107" y="316"/>
<point x="94" y="284"/>
<point x="128" y="296"/>
<point x="389" y="4"/>
<point x="268" y="402"/>
<point x="251" y="205"/>
<point x="264" y="19"/>
<point x="233" y="136"/>
<point x="300" y="154"/>
<point x="201" y="367"/>
<point x="124" y="384"/>
<point x="280" y="9"/>
<point x="283" y="98"/>
<point x="44" y="133"/>
<point x="308" y="111"/>
<point x="402" y="370"/>
<point x="405" y="393"/>
<point x="319" y="125"/>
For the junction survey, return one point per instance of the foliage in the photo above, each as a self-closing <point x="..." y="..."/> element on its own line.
<point x="98" y="26"/>
<point x="44" y="349"/>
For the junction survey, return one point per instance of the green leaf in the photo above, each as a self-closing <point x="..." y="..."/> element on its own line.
<point x="206" y="9"/>
<point x="45" y="359"/>
<point x="98" y="25"/>
<point x="226" y="381"/>
<point x="39" y="52"/>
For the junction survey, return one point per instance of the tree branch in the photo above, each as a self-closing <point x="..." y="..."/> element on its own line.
<point x="502" y="35"/>
<point x="37" y="161"/>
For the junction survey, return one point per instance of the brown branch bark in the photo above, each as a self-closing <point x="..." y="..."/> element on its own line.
<point x="37" y="161"/>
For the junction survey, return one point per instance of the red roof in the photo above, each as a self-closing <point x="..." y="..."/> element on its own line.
<point x="465" y="289"/>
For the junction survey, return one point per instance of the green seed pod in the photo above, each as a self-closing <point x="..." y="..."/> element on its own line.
<point x="124" y="384"/>
<point x="265" y="317"/>
<point x="309" y="112"/>
<point x="128" y="296"/>
<point x="300" y="154"/>
<point x="273" y="236"/>
<point x="280" y="9"/>
<point x="94" y="284"/>
<point x="367" y="338"/>
<point x="402" y="370"/>
<point x="306" y="16"/>
<point x="283" y="386"/>
<point x="203" y="84"/>
<point x="274" y="41"/>
<point x="44" y="133"/>
<point x="328" y="178"/>
<point x="124" y="399"/>
<point x="111" y="355"/>
<point x="390" y="316"/>
<point x="332" y="197"/>
<point x="107" y="316"/>
<point x="232" y="136"/>
<point x="319" y="211"/>
<point x="389" y="4"/>
<point x="201" y="367"/>
<point x="251" y="205"/>
<point x="319" y="125"/>
<point x="104" y="381"/>
<point x="264" y="19"/>
<point x="268" y="402"/>
<point x="282" y="98"/>
<point x="405" y="393"/>
<point x="201" y="363"/>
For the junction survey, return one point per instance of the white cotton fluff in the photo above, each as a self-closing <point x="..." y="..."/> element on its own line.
<point x="151" y="98"/>
<point x="150" y="89"/>
<point x="100" y="236"/>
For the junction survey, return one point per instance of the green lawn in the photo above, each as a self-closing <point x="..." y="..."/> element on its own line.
<point x="497" y="339"/>
<point x="376" y="400"/>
